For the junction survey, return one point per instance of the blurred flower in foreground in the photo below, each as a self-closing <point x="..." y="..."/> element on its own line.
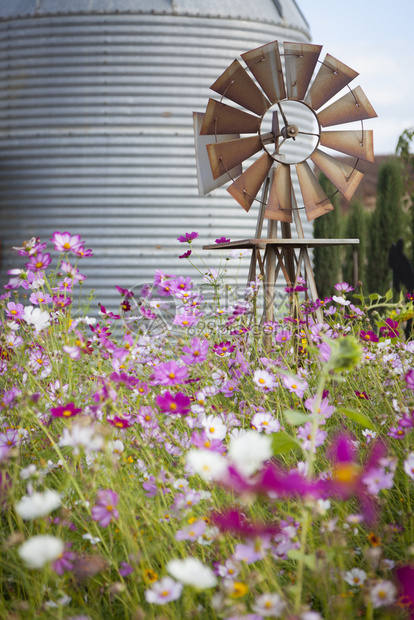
<point x="39" y="550"/>
<point x="192" y="572"/>
<point x="37" y="505"/>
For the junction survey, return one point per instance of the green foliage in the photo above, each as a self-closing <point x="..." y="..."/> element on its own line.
<point x="355" y="228"/>
<point x="327" y="261"/>
<point x="385" y="225"/>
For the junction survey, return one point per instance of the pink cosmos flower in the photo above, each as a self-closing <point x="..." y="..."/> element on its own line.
<point x="65" y="411"/>
<point x="188" y="237"/>
<point x="344" y="287"/>
<point x="192" y="532"/>
<point x="173" y="403"/>
<point x="60" y="301"/>
<point x="234" y="521"/>
<point x="82" y="253"/>
<point x="169" y="373"/>
<point x="184" y="319"/>
<point x="104" y="510"/>
<point x="14" y="311"/>
<point x="222" y="240"/>
<point x="283" y="336"/>
<point x="38" y="298"/>
<point x="164" y="591"/>
<point x="264" y="380"/>
<point x="64" y="562"/>
<point x="65" y="242"/>
<point x="390" y="329"/>
<point x="305" y="434"/>
<point x="295" y="385"/>
<point x="409" y="379"/>
<point x="39" y="262"/>
<point x="196" y="352"/>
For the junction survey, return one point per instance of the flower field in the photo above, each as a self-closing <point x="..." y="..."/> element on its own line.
<point x="178" y="457"/>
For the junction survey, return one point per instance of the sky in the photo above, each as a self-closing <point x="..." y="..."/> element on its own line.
<point x="375" y="38"/>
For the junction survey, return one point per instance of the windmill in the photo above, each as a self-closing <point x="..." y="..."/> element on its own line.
<point x="272" y="88"/>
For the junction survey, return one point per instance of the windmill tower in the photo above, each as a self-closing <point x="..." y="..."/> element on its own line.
<point x="96" y="125"/>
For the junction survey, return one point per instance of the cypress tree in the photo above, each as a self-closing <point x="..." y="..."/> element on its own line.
<point x="385" y="226"/>
<point x="355" y="229"/>
<point x="327" y="260"/>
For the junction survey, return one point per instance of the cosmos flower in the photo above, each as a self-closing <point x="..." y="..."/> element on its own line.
<point x="163" y="591"/>
<point x="196" y="352"/>
<point x="295" y="385"/>
<point x="65" y="411"/>
<point x="173" y="403"/>
<point x="37" y="505"/>
<point x="169" y="373"/>
<point x="105" y="508"/>
<point x="188" y="237"/>
<point x="190" y="571"/>
<point x="39" y="550"/>
<point x="65" y="242"/>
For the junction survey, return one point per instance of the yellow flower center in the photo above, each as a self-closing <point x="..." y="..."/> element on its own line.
<point x="171" y="375"/>
<point x="39" y="264"/>
<point x="67" y="413"/>
<point x="66" y="245"/>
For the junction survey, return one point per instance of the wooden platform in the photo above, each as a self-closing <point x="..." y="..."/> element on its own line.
<point x="278" y="242"/>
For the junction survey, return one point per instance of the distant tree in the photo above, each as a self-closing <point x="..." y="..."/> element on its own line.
<point x="385" y="226"/>
<point x="403" y="150"/>
<point x="355" y="228"/>
<point x="327" y="260"/>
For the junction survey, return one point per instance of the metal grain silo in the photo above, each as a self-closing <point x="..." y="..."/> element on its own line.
<point x="96" y="124"/>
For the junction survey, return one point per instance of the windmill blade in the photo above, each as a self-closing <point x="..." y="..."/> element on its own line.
<point x="314" y="198"/>
<point x="238" y="86"/>
<point x="221" y="119"/>
<point x="245" y="189"/>
<point x="225" y="155"/>
<point x="332" y="76"/>
<point x="300" y="61"/>
<point x="279" y="205"/>
<point x="345" y="178"/>
<point x="205" y="180"/>
<point x="265" y="64"/>
<point x="359" y="144"/>
<point x="354" y="106"/>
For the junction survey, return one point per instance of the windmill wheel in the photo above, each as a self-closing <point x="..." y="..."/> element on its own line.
<point x="272" y="96"/>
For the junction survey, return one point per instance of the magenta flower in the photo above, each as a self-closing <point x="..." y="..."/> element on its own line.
<point x="65" y="242"/>
<point x="104" y="510"/>
<point x="234" y="521"/>
<point x="222" y="240"/>
<point x="15" y="311"/>
<point x="173" y="403"/>
<point x="39" y="262"/>
<point x="368" y="336"/>
<point x="188" y="237"/>
<point x="186" y="254"/>
<point x="283" y="336"/>
<point x="390" y="329"/>
<point x="196" y="352"/>
<point x="169" y="373"/>
<point x="120" y="422"/>
<point x="344" y="287"/>
<point x="409" y="379"/>
<point x="66" y="411"/>
<point x="361" y="395"/>
<point x="181" y="284"/>
<point x="60" y="301"/>
<point x="223" y="349"/>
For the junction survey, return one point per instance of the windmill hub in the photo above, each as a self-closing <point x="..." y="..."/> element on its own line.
<point x="287" y="142"/>
<point x="290" y="131"/>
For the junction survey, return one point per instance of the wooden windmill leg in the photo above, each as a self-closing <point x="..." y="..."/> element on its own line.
<point x="270" y="273"/>
<point x="259" y="227"/>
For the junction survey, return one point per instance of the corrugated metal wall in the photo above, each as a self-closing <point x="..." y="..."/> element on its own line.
<point x="96" y="136"/>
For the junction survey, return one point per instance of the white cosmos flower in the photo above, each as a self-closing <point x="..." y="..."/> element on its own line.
<point x="39" y="550"/>
<point x="209" y="465"/>
<point x="40" y="319"/>
<point x="249" y="451"/>
<point x="383" y="593"/>
<point x="409" y="465"/>
<point x="355" y="577"/>
<point x="192" y="572"/>
<point x="81" y="436"/>
<point x="37" y="505"/>
<point x="341" y="300"/>
<point x="214" y="427"/>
